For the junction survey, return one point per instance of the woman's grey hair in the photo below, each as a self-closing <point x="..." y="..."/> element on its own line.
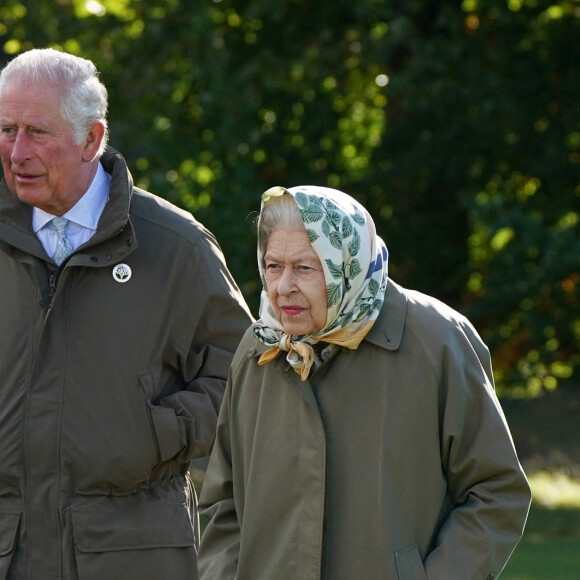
<point x="278" y="211"/>
<point x="84" y="96"/>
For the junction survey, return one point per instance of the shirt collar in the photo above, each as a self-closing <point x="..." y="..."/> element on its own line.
<point x="87" y="211"/>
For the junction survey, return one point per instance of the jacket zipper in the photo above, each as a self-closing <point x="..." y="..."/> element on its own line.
<point x="52" y="285"/>
<point x="52" y="280"/>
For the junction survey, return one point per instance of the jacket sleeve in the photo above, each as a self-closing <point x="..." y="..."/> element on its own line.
<point x="487" y="488"/>
<point x="211" y="317"/>
<point x="220" y="544"/>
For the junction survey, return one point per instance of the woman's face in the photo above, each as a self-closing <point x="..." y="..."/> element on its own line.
<point x="295" y="281"/>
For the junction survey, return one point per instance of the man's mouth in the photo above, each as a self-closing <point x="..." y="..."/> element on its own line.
<point x="25" y="178"/>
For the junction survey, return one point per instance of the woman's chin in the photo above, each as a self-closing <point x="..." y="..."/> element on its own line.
<point x="296" y="327"/>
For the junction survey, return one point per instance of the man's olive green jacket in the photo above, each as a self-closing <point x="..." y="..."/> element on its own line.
<point x="110" y="385"/>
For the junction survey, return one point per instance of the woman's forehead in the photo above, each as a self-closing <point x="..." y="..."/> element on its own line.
<point x="289" y="241"/>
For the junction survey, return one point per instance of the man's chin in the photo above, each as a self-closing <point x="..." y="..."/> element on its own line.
<point x="32" y="197"/>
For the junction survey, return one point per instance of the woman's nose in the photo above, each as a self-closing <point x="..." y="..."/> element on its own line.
<point x="287" y="282"/>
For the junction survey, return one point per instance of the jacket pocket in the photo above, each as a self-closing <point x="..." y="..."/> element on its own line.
<point x="8" y="529"/>
<point x="409" y="564"/>
<point x="154" y="543"/>
<point x="164" y="421"/>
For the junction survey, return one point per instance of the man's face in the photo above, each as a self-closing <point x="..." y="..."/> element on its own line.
<point x="42" y="164"/>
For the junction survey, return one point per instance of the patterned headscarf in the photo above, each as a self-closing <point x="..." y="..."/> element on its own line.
<point x="354" y="260"/>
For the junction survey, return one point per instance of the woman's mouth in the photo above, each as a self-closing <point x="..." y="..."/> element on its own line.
<point x="292" y="310"/>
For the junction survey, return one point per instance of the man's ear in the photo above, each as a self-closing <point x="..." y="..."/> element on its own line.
<point x="93" y="141"/>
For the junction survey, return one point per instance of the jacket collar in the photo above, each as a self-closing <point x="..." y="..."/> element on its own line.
<point x="387" y="331"/>
<point x="116" y="213"/>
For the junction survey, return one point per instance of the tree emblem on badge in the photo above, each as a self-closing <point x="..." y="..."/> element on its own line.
<point x="122" y="273"/>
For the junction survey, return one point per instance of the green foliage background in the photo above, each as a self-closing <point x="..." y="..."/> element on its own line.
<point x="456" y="123"/>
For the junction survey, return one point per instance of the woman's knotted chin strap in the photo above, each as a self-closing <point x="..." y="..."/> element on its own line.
<point x="300" y="355"/>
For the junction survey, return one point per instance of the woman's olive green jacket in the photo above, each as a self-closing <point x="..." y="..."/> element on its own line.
<point x="391" y="462"/>
<point x="108" y="388"/>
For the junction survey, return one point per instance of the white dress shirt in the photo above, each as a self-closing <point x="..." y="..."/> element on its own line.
<point x="83" y="216"/>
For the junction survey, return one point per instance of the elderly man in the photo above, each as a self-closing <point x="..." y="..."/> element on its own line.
<point x="118" y="321"/>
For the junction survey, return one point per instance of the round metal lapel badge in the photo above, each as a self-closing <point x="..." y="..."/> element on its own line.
<point x="122" y="273"/>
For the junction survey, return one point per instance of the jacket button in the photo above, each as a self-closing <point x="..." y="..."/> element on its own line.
<point x="108" y="256"/>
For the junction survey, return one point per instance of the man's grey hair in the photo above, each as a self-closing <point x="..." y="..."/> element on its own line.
<point x="278" y="211"/>
<point x="84" y="95"/>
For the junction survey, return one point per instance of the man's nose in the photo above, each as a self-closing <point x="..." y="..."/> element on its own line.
<point x="20" y="148"/>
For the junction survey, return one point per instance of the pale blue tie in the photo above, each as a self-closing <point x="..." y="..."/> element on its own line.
<point x="63" y="246"/>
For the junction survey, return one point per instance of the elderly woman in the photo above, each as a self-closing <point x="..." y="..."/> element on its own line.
<point x="386" y="454"/>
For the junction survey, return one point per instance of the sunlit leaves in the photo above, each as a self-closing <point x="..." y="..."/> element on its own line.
<point x="456" y="125"/>
<point x="121" y="9"/>
<point x="501" y="238"/>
